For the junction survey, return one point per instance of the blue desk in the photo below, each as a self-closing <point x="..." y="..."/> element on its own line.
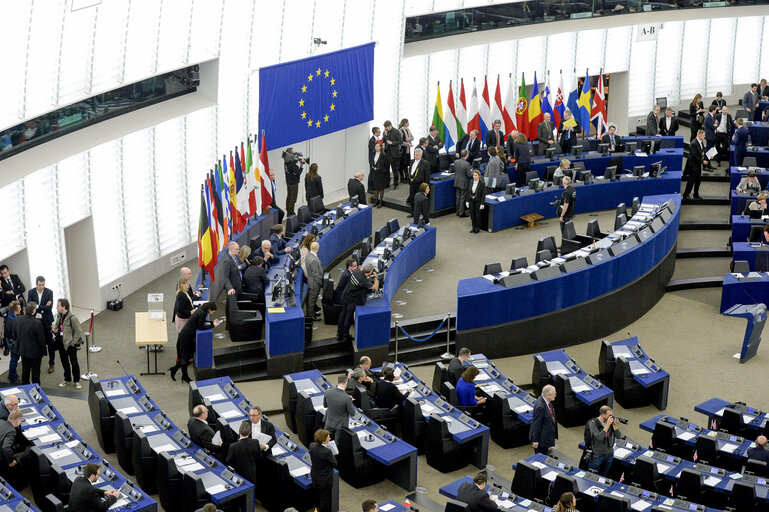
<point x="741" y="291"/>
<point x="761" y="155"/>
<point x="506" y="499"/>
<point x="442" y="192"/>
<point x="399" y="456"/>
<point x="737" y="173"/>
<point x="762" y="106"/>
<point x="126" y="395"/>
<point x="754" y="419"/>
<point x="643" y="368"/>
<point x="739" y="201"/>
<point x="481" y="303"/>
<point x="45" y="428"/>
<point x="756" y="255"/>
<point x="741" y="225"/>
<point x="759" y="133"/>
<point x="556" y="367"/>
<point x="372" y="321"/>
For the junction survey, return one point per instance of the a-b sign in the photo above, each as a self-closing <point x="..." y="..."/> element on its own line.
<point x="648" y="32"/>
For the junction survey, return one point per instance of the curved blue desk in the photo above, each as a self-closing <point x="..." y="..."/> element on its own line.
<point x="751" y="253"/>
<point x="741" y="225"/>
<point x="487" y="312"/>
<point x="761" y="154"/>
<point x="741" y="291"/>
<point x="372" y="321"/>
<point x="737" y="173"/>
<point x="739" y="200"/>
<point x="759" y="133"/>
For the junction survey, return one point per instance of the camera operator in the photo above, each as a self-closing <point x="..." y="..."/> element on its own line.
<point x="568" y="201"/>
<point x="293" y="164"/>
<point x="603" y="431"/>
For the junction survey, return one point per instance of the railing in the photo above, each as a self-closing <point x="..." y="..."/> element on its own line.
<point x="446" y="320"/>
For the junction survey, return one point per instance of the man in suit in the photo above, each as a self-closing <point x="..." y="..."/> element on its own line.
<point x="255" y="278"/>
<point x="369" y="506"/>
<point x="432" y="150"/>
<point x="709" y="125"/>
<point x="693" y="169"/>
<point x="84" y="497"/>
<point x="338" y="406"/>
<point x="750" y="102"/>
<point x="12" y="287"/>
<point x="266" y="253"/>
<point x="472" y="144"/>
<point x="568" y="133"/>
<point x="457" y="365"/>
<point x="245" y="454"/>
<point x="393" y="140"/>
<point x="495" y="168"/>
<point x="30" y="343"/>
<point x="10" y="404"/>
<point x="463" y="173"/>
<point x="44" y="298"/>
<point x="260" y="425"/>
<point x="363" y="280"/>
<point x="510" y="142"/>
<point x="611" y="138"/>
<point x="668" y="124"/>
<point x="387" y="394"/>
<point x="724" y="129"/>
<point x="545" y="134"/>
<point x="543" y="429"/>
<point x="279" y="245"/>
<point x="11" y="463"/>
<point x="376" y="136"/>
<point x="364" y="363"/>
<point x="475" y="495"/>
<point x="759" y="452"/>
<point x="740" y="141"/>
<point x="418" y="173"/>
<point x="653" y="121"/>
<point x="349" y="267"/>
<point x="230" y="272"/>
<point x="422" y="204"/>
<point x="201" y="433"/>
<point x="355" y="187"/>
<point x="763" y="89"/>
<point x="314" y="281"/>
<point x="495" y="137"/>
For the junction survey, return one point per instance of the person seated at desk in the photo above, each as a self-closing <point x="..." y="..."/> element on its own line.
<point x="475" y="496"/>
<point x="466" y="388"/>
<point x="357" y="381"/>
<point x="201" y="433"/>
<point x="765" y="236"/>
<point x="245" y="455"/>
<point x="457" y="365"/>
<point x="566" y="503"/>
<point x="255" y="278"/>
<point x="749" y="183"/>
<point x="10" y="404"/>
<point x="279" y="245"/>
<point x="368" y="506"/>
<point x="265" y="251"/>
<point x="562" y="167"/>
<point x="11" y="461"/>
<point x="612" y="139"/>
<point x="759" y="452"/>
<point x="387" y="394"/>
<point x="759" y="205"/>
<point x="84" y="497"/>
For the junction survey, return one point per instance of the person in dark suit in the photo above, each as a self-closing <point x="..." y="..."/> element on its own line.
<point x="393" y="143"/>
<point x="568" y="133"/>
<point x="314" y="282"/>
<point x="387" y="393"/>
<point x="669" y="123"/>
<point x="457" y="365"/>
<point x="10" y="403"/>
<point x="322" y="464"/>
<point x="750" y="102"/>
<point x="260" y="425"/>
<point x="724" y="130"/>
<point x="495" y="137"/>
<point x="763" y="89"/>
<point x="375" y="137"/>
<point x="355" y="188"/>
<point x="545" y="135"/>
<point x="693" y="169"/>
<point x="432" y="149"/>
<point x="349" y="266"/>
<point x="182" y="304"/>
<point x="418" y="173"/>
<point x="338" y="406"/>
<point x="245" y="455"/>
<point x="740" y="141"/>
<point x="12" y="287"/>
<point x="31" y="342"/>
<point x="277" y="241"/>
<point x="653" y="121"/>
<point x="313" y="183"/>
<point x="362" y="282"/>
<point x="463" y="174"/>
<point x="543" y="429"/>
<point x="9" y="339"/>
<point x="185" y="342"/>
<point x="292" y="164"/>
<point x="230" y="272"/>
<point x="696" y="114"/>
<point x="422" y="204"/>
<point x="84" y="497"/>
<point x="379" y="171"/>
<point x="201" y="432"/>
<point x="522" y="156"/>
<point x="710" y="128"/>
<point x="476" y="198"/>
<point x="265" y="251"/>
<point x="759" y="452"/>
<point x="11" y="462"/>
<point x="475" y="495"/>
<point x="44" y="298"/>
<point x="255" y="278"/>
<point x="472" y="144"/>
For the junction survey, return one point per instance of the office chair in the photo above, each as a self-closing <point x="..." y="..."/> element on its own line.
<point x="531" y="175"/>
<point x="664" y="438"/>
<point x="756" y="467"/>
<point x="317" y="208"/>
<point x="492" y="268"/>
<point x="440" y="375"/>
<point x="755" y="233"/>
<point x="742" y="114"/>
<point x="620" y="221"/>
<point x="517" y="263"/>
<point x="547" y="243"/>
<point x="732" y="422"/>
<point x="621" y="209"/>
<point x="646" y="476"/>
<point x="746" y="210"/>
<point x="393" y="226"/>
<point x="549" y="173"/>
<point x="52" y="504"/>
<point x="571" y="241"/>
<point x="593" y="230"/>
<point x="610" y="503"/>
<point x="689" y="486"/>
<point x="561" y="484"/>
<point x="740" y="267"/>
<point x="636" y="206"/>
<point x="255" y="242"/>
<point x="456" y="506"/>
<point x="707" y="450"/>
<point x="356" y="255"/>
<point x="743" y="497"/>
<point x="292" y="226"/>
<point x="331" y="311"/>
<point x="450" y="393"/>
<point x="528" y="481"/>
<point x="441" y="450"/>
<point x="304" y="215"/>
<point x="365" y="247"/>
<point x="749" y="161"/>
<point x="543" y="255"/>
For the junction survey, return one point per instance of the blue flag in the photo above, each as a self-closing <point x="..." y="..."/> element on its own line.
<point x="307" y="98"/>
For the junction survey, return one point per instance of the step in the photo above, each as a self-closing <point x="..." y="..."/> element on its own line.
<point x="238" y="352"/>
<point x="703" y="252"/>
<point x="720" y="178"/>
<point x="721" y="225"/>
<point x="711" y="200"/>
<point x="695" y="283"/>
<point x="243" y="370"/>
<point x="402" y="205"/>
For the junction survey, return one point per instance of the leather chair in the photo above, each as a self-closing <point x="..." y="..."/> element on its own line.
<point x="504" y="426"/>
<point x="292" y="226"/>
<point x="749" y="161"/>
<point x="52" y="504"/>
<point x="665" y="435"/>
<point x="441" y="450"/>
<point x="255" y="242"/>
<point x="102" y="417"/>
<point x="456" y="506"/>
<point x="746" y="209"/>
<point x="517" y="263"/>
<point x="450" y="393"/>
<point x="543" y="256"/>
<point x="756" y="467"/>
<point x="740" y="267"/>
<point x="620" y="221"/>
<point x="365" y="247"/>
<point x="610" y="503"/>
<point x="690" y="486"/>
<point x="547" y="243"/>
<point x="193" y="495"/>
<point x="307" y="419"/>
<point x="528" y="481"/>
<point x="627" y="392"/>
<point x="732" y="422"/>
<point x="413" y="424"/>
<point x="393" y="226"/>
<point x="304" y="215"/>
<point x="571" y="241"/>
<point x="123" y="435"/>
<point x="707" y="450"/>
<point x="550" y="171"/>
<point x="317" y="208"/>
<point x="331" y="310"/>
<point x="561" y="484"/>
<point x="244" y="325"/>
<point x="635" y="206"/>
<point x="170" y="482"/>
<point x="492" y="268"/>
<point x="569" y="410"/>
<point x="539" y="374"/>
<point x="743" y="498"/>
<point x="355" y="466"/>
<point x="646" y="476"/>
<point x="440" y="375"/>
<point x="42" y="478"/>
<point x="145" y="463"/>
<point x="62" y="486"/>
<point x="593" y="231"/>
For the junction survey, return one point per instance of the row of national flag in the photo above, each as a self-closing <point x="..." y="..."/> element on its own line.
<point x="235" y="190"/>
<point x="522" y="112"/>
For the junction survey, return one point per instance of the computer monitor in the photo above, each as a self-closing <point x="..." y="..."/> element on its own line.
<point x="476" y="163"/>
<point x="654" y="169"/>
<point x="406" y="233"/>
<point x="451" y="167"/>
<point x="490" y="182"/>
<point x="354" y="202"/>
<point x="314" y="230"/>
<point x="339" y="212"/>
<point x="534" y="184"/>
<point x="550" y="154"/>
<point x="586" y="177"/>
<point x="558" y="181"/>
<point x="603" y="148"/>
<point x="649" y="146"/>
<point x="638" y="170"/>
<point x="510" y="189"/>
<point x="396" y="243"/>
<point x="576" y="150"/>
<point x="630" y="147"/>
<point x="610" y="174"/>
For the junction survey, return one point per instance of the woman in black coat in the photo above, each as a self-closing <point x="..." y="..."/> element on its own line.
<point x="183" y="305"/>
<point x="696" y="114"/>
<point x="522" y="155"/>
<point x="379" y="173"/>
<point x="185" y="342"/>
<point x="313" y="184"/>
<point x="322" y="464"/>
<point x="477" y="196"/>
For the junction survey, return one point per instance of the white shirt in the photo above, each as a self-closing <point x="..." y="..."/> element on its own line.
<point x="475" y="185"/>
<point x="376" y="157"/>
<point x="414" y="166"/>
<point x="39" y="298"/>
<point x="721" y="128"/>
<point x="256" y="428"/>
<point x="668" y="120"/>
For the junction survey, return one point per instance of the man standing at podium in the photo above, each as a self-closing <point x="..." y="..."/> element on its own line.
<point x="543" y="429"/>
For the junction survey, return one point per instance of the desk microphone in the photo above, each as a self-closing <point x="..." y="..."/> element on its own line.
<point x="121" y="367"/>
<point x="751" y="297"/>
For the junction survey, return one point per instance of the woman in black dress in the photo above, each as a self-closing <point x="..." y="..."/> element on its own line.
<point x="522" y="155"/>
<point x="322" y="464"/>
<point x="185" y="342"/>
<point x="477" y="196"/>
<point x="379" y="173"/>
<point x="313" y="184"/>
<point x="696" y="113"/>
<point x="183" y="304"/>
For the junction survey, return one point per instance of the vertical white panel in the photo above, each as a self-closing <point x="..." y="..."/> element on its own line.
<point x="531" y="58"/>
<point x="138" y="199"/>
<point x="75" y="63"/>
<point x="501" y="62"/>
<point x="668" y="65"/>
<point x="297" y="28"/>
<point x="327" y="24"/>
<point x="175" y="21"/>
<point x="472" y="65"/>
<point x="171" y="190"/>
<point x="42" y="56"/>
<point x="13" y="34"/>
<point x="720" y="51"/>
<point x="388" y="32"/>
<point x="141" y="42"/>
<point x="560" y="53"/>
<point x="764" y="68"/>
<point x="618" y="42"/>
<point x="265" y="45"/>
<point x="417" y="94"/>
<point x="74" y="189"/>
<point x="693" y="64"/>
<point x="12" y="237"/>
<point x="641" y="97"/>
<point x="204" y="37"/>
<point x="590" y="49"/>
<point x="108" y="204"/>
<point x="746" y="65"/>
<point x="200" y="156"/>
<point x="111" y="24"/>
<point x="357" y="27"/>
<point x="414" y="7"/>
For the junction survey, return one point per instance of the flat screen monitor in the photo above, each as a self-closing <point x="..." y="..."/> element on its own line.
<point x="610" y="173"/>
<point x="638" y="170"/>
<point x="586" y="177"/>
<point x="534" y="184"/>
<point x="550" y="154"/>
<point x="654" y="169"/>
<point x="649" y="147"/>
<point x="510" y="189"/>
<point x="630" y="147"/>
<point x="558" y="181"/>
<point x="576" y="150"/>
<point x="603" y="148"/>
<point x="354" y="202"/>
<point x="476" y="163"/>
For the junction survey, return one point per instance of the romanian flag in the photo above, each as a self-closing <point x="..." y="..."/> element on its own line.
<point x="268" y="190"/>
<point x="522" y="109"/>
<point x="206" y="250"/>
<point x="535" y="110"/>
<point x="438" y="115"/>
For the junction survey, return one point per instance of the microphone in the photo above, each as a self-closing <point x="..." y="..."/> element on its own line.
<point x="121" y="367"/>
<point x="751" y="297"/>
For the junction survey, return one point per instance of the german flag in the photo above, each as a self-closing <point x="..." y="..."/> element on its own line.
<point x="206" y="251"/>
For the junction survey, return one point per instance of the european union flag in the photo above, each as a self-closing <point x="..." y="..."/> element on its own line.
<point x="307" y="98"/>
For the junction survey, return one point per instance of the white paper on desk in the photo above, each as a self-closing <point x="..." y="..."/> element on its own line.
<point x="164" y="448"/>
<point x="50" y="438"/>
<point x="559" y="371"/>
<point x="185" y="461"/>
<point x="550" y="475"/>
<point x="146" y="429"/>
<point x="482" y="376"/>
<point x="217" y="439"/>
<point x="300" y="471"/>
<point x="502" y="503"/>
<point x="712" y="481"/>
<point x="735" y="476"/>
<point x="685" y="436"/>
<point x="580" y="388"/>
<point x="12" y="391"/>
<point x="34" y="432"/>
<point x="523" y="408"/>
<point x="232" y="413"/>
<point x="331" y="445"/>
<point x="661" y="468"/>
<point x="216" y="489"/>
<point x="593" y="490"/>
<point x="747" y="418"/>
<point x="60" y="453"/>
<point x="115" y="392"/>
<point x="214" y="398"/>
<point x="538" y="464"/>
<point x="277" y="450"/>
<point x="428" y="409"/>
<point x="72" y="444"/>
<point x="729" y="447"/>
<point x="620" y="452"/>
<point x="387" y="507"/>
<point x="309" y="391"/>
<point x="720" y="412"/>
<point x="711" y="152"/>
<point x="640" y="505"/>
<point x="119" y="503"/>
<point x="640" y="371"/>
<point x="128" y="410"/>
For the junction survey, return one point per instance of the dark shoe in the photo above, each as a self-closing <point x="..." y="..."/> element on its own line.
<point x="50" y="368"/>
<point x="472" y="231"/>
<point x="173" y="371"/>
<point x="477" y="231"/>
<point x="687" y="197"/>
<point x="697" y="197"/>
<point x="5" y="352"/>
<point x="186" y="379"/>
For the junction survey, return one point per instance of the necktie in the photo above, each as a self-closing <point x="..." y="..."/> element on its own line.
<point x="612" y="140"/>
<point x="550" y="406"/>
<point x="497" y="137"/>
<point x="9" y="282"/>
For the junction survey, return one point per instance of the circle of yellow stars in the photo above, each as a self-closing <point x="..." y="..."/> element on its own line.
<point x="319" y="74"/>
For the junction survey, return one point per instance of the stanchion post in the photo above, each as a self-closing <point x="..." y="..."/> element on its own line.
<point x="94" y="348"/>
<point x="447" y="354"/>
<point x="396" y="341"/>
<point x="88" y="349"/>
